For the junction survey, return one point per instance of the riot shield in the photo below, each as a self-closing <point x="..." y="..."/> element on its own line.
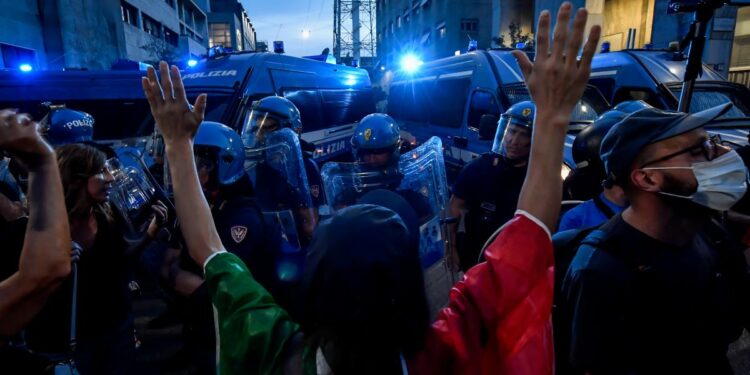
<point x="421" y="181"/>
<point x="132" y="194"/>
<point x="280" y="182"/>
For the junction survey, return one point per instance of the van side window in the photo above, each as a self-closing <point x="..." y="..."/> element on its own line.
<point x="322" y="109"/>
<point x="636" y="93"/>
<point x="310" y="107"/>
<point x="605" y="84"/>
<point x="449" y="98"/>
<point x="482" y="103"/>
<point x="438" y="102"/>
<point x="346" y="106"/>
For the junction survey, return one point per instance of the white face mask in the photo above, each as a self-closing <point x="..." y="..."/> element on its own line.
<point x="722" y="182"/>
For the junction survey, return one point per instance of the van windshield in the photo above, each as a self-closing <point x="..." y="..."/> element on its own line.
<point x="587" y="110"/>
<point x="708" y="95"/>
<point x="216" y="105"/>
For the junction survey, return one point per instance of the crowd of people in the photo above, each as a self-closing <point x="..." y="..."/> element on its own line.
<point x="645" y="276"/>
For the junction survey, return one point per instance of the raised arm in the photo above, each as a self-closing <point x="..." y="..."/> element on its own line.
<point x="556" y="80"/>
<point x="45" y="257"/>
<point x="178" y="122"/>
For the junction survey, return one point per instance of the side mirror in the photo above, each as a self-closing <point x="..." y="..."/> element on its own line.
<point x="487" y="127"/>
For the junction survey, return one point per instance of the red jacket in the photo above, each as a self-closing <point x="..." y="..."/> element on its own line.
<point x="498" y="320"/>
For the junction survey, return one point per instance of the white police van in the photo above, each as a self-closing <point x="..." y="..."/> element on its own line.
<point x="460" y="99"/>
<point x="331" y="98"/>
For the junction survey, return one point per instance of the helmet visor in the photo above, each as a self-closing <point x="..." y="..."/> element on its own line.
<point x="512" y="140"/>
<point x="258" y="125"/>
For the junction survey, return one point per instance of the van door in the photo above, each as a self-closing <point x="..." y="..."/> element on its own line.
<point x="446" y="111"/>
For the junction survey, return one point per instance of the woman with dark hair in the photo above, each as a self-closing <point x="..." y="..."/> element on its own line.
<point x="104" y="324"/>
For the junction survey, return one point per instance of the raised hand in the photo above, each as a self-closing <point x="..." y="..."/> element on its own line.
<point x="176" y="119"/>
<point x="19" y="135"/>
<point x="556" y="79"/>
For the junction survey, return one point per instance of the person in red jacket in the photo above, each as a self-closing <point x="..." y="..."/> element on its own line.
<point x="498" y="317"/>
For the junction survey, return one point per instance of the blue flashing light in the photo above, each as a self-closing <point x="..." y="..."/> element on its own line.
<point x="351" y="80"/>
<point x="605" y="47"/>
<point x="520" y="45"/>
<point x="192" y="62"/>
<point x="473" y="45"/>
<point x="410" y="63"/>
<point x="25" y="68"/>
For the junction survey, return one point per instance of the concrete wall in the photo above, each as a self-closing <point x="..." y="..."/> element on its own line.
<point x="90" y="32"/>
<point x="21" y="26"/>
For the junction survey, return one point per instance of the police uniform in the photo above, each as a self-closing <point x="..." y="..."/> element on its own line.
<point x="490" y="185"/>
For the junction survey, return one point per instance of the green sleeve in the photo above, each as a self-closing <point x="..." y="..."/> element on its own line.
<point x="253" y="330"/>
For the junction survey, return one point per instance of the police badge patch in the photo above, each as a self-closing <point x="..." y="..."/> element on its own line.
<point x="238" y="233"/>
<point x="526" y="112"/>
<point x="368" y="134"/>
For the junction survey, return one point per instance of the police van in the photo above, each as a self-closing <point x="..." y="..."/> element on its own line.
<point x="460" y="99"/>
<point x="655" y="76"/>
<point x="331" y="98"/>
<point x="114" y="98"/>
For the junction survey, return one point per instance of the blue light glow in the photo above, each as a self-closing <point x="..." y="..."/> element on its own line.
<point x="350" y="80"/>
<point x="410" y="63"/>
<point x="25" y="68"/>
<point x="192" y="62"/>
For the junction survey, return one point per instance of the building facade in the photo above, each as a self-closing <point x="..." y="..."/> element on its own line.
<point x="229" y="25"/>
<point x="94" y="34"/>
<point x="431" y="29"/>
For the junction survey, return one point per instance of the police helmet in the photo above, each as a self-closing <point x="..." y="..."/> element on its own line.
<point x="269" y="114"/>
<point x="376" y="133"/>
<point x="225" y="147"/>
<point x="587" y="143"/>
<point x="520" y="114"/>
<point x="64" y="126"/>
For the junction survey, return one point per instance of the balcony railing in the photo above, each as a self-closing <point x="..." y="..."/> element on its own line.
<point x="740" y="74"/>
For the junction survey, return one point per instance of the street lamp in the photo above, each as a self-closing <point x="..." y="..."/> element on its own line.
<point x="410" y="63"/>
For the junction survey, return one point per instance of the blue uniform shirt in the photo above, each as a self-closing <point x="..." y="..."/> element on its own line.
<point x="587" y="214"/>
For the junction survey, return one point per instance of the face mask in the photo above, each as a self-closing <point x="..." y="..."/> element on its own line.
<point x="722" y="182"/>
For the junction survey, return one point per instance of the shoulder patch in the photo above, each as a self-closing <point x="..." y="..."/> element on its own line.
<point x="238" y="233"/>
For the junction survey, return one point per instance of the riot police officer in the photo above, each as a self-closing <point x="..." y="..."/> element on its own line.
<point x="488" y="187"/>
<point x="376" y="145"/>
<point x="273" y="113"/>
<point x="219" y="159"/>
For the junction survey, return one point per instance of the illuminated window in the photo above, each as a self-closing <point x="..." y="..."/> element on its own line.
<point x="151" y="26"/>
<point x="219" y="34"/>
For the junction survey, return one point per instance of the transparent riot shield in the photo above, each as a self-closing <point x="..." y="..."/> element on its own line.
<point x="280" y="181"/>
<point x="421" y="180"/>
<point x="132" y="194"/>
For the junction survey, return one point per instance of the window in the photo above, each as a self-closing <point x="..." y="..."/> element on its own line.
<point x="482" y="103"/>
<point x="129" y="14"/>
<point x="151" y="26"/>
<point x="320" y="109"/>
<point x="398" y="22"/>
<point x="391" y="27"/>
<point x="442" y="32"/>
<point x="170" y="36"/>
<point x="219" y="35"/>
<point x="438" y="102"/>
<point x="470" y="25"/>
<point x="239" y="40"/>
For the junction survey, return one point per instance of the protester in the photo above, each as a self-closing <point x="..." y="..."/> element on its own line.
<point x="661" y="288"/>
<point x="104" y="331"/>
<point x="489" y="326"/>
<point x="611" y="200"/>
<point x="44" y="260"/>
<point x="488" y="187"/>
